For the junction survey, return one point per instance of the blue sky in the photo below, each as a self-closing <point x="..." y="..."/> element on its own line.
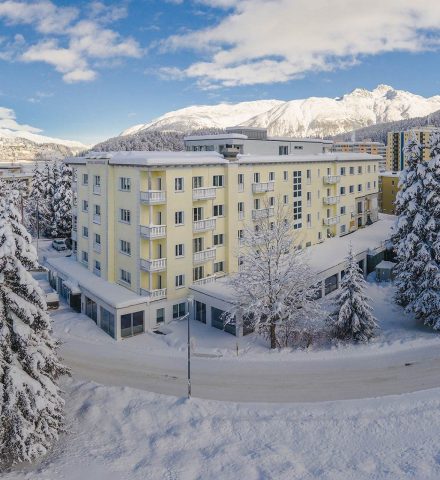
<point x="87" y="70"/>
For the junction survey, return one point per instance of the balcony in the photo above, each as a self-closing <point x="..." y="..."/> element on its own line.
<point x="153" y="231"/>
<point x="331" y="220"/>
<point x="204" y="225"/>
<point x="153" y="197"/>
<point x="97" y="247"/>
<point x="156" y="294"/>
<point x="204" y="255"/>
<point x="206" y="280"/>
<point x="97" y="219"/>
<point x="204" y="193"/>
<point x="331" y="200"/>
<point x="263" y="187"/>
<point x="153" y="265"/>
<point x="262" y="213"/>
<point x="97" y="189"/>
<point x="331" y="179"/>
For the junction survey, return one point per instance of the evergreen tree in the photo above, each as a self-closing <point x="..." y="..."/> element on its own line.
<point x="31" y="407"/>
<point x="35" y="203"/>
<point x="63" y="202"/>
<point x="353" y="319"/>
<point x="409" y="232"/>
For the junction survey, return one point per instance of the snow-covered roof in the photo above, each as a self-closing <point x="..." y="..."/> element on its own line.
<point x="390" y="174"/>
<point x="114" y="295"/>
<point x="215" y="136"/>
<point x="300" y="140"/>
<point x="309" y="158"/>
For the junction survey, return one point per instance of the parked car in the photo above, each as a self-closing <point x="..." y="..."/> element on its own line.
<point x="59" y="244"/>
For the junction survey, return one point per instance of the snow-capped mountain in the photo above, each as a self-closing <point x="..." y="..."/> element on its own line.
<point x="311" y="117"/>
<point x="21" y="145"/>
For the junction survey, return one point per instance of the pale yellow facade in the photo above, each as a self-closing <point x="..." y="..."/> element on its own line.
<point x="389" y="186"/>
<point x="186" y="212"/>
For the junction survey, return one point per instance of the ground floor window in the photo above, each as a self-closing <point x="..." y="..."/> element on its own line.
<point x="91" y="309"/>
<point x="200" y="311"/>
<point x="217" y="318"/>
<point x="132" y="323"/>
<point x="160" y="315"/>
<point x="331" y="284"/>
<point x="108" y="322"/>
<point x="179" y="310"/>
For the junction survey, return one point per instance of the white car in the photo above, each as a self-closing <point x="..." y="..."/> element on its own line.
<point x="59" y="244"/>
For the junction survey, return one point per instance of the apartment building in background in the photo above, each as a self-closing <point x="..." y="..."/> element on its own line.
<point x="149" y="225"/>
<point x="363" y="146"/>
<point x="397" y="142"/>
<point x="388" y="188"/>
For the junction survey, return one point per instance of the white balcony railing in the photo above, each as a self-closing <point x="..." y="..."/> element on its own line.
<point x="206" y="280"/>
<point x="153" y="265"/>
<point x="97" y="247"/>
<point x="331" y="220"/>
<point x="153" y="231"/>
<point x="97" y="219"/>
<point x="331" y="200"/>
<point x="204" y="255"/>
<point x="153" y="197"/>
<point x="263" y="187"/>
<point x="331" y="179"/>
<point x="97" y="189"/>
<point x="262" y="213"/>
<point x="156" y="294"/>
<point x="204" y="193"/>
<point x="204" y="225"/>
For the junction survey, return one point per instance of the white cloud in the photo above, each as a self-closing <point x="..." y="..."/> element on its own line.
<point x="8" y="120"/>
<point x="266" y="41"/>
<point x="74" y="47"/>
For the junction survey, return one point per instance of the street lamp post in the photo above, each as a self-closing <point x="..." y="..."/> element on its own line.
<point x="190" y="302"/>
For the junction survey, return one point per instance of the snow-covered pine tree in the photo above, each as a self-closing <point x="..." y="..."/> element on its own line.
<point x="63" y="202"/>
<point x="36" y="202"/>
<point x="353" y="319"/>
<point x="426" y="301"/>
<point x="408" y="235"/>
<point x="274" y="286"/>
<point x="31" y="407"/>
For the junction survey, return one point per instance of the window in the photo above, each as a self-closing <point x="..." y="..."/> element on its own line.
<point x="240" y="206"/>
<point x="309" y="199"/>
<point x="85" y="232"/>
<point x="132" y="323"/>
<point x="85" y="179"/>
<point x="240" y="234"/>
<point x="97" y="180"/>
<point x="218" y="181"/>
<point x="218" y="239"/>
<point x="125" y="247"/>
<point x="180" y="281"/>
<point x="97" y="238"/>
<point x="351" y="189"/>
<point x="197" y="273"/>
<point x="256" y="177"/>
<point x="342" y="229"/>
<point x="197" y="182"/>
<point x="125" y="276"/>
<point x="286" y="199"/>
<point x="309" y="177"/>
<point x="342" y="171"/>
<point x="97" y="265"/>
<point x="360" y="169"/>
<point x="359" y="207"/>
<point x="97" y="210"/>
<point x="360" y="187"/>
<point x="219" y="267"/>
<point x="124" y="215"/>
<point x="309" y="220"/>
<point x="85" y="257"/>
<point x="285" y="175"/>
<point x="271" y="201"/>
<point x="85" y="206"/>
<point x="160" y="315"/>
<point x="179" y="250"/>
<point x="125" y="184"/>
<point x="283" y="150"/>
<point x="351" y="170"/>
<point x="257" y="204"/>
<point x="198" y="244"/>
<point x="343" y="210"/>
<point x="200" y="311"/>
<point x="297" y="210"/>
<point x="197" y="214"/>
<point x="271" y="176"/>
<point x="178" y="184"/>
<point x="342" y="190"/>
<point x="369" y="169"/>
<point x="240" y="178"/>
<point x="374" y="184"/>
<point x="179" y="310"/>
<point x="368" y="185"/>
<point x="218" y="210"/>
<point x="297" y="184"/>
<point x="178" y="218"/>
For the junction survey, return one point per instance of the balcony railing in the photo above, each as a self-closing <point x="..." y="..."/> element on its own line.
<point x="153" y="231"/>
<point x="331" y="200"/>
<point x="156" y="294"/>
<point x="97" y="247"/>
<point x="153" y="265"/>
<point x="204" y="193"/>
<point x="97" y="189"/>
<point x="331" y="220"/>
<point x="206" y="280"/>
<point x="204" y="255"/>
<point x="262" y="213"/>
<point x="97" y="219"/>
<point x="153" y="197"/>
<point x="263" y="187"/>
<point x="331" y="179"/>
<point x="204" y="225"/>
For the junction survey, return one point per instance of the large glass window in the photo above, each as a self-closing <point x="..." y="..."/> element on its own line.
<point x="91" y="309"/>
<point x="132" y="323"/>
<point x="160" y="315"/>
<point x="200" y="311"/>
<point x="179" y="310"/>
<point x="108" y="322"/>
